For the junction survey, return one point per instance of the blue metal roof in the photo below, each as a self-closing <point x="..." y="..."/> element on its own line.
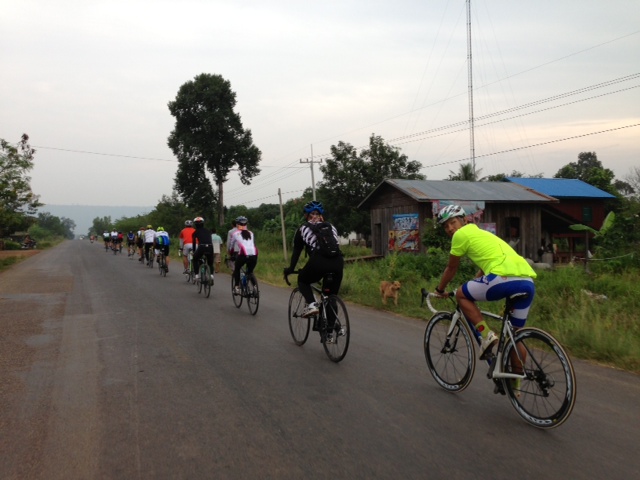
<point x="561" y="187"/>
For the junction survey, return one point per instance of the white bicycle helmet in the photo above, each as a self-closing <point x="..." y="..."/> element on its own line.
<point x="450" y="211"/>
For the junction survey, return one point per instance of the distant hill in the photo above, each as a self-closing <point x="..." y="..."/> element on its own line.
<point x="83" y="215"/>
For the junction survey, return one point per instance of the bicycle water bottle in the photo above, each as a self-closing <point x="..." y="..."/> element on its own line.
<point x="244" y="280"/>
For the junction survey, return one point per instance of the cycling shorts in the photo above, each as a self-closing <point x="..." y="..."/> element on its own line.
<point x="186" y="248"/>
<point x="490" y="288"/>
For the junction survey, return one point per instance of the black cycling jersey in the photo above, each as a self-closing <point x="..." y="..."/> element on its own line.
<point x="201" y="236"/>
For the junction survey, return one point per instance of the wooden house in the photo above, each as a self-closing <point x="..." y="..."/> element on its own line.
<point x="399" y="209"/>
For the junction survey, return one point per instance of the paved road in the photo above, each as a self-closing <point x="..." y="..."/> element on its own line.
<point x="109" y="371"/>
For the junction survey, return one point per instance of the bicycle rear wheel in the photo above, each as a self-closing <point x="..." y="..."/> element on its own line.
<point x="450" y="358"/>
<point x="253" y="294"/>
<point x="237" y="297"/>
<point x="199" y="280"/>
<point x="337" y="347"/>
<point x="161" y="265"/>
<point x="206" y="280"/>
<point x="298" y="326"/>
<point x="546" y="396"/>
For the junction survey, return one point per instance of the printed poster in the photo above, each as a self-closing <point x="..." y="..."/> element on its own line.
<point x="404" y="236"/>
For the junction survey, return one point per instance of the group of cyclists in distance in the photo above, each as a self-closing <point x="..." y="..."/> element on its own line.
<point x="502" y="271"/>
<point x="502" y="274"/>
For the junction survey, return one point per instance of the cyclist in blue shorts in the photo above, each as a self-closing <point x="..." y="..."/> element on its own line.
<point x="502" y="273"/>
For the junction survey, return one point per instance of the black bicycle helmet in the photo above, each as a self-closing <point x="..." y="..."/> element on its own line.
<point x="242" y="221"/>
<point x="314" y="207"/>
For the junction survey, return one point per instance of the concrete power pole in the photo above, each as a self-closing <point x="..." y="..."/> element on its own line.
<point x="311" y="161"/>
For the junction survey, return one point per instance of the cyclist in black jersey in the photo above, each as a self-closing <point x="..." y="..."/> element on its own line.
<point x="318" y="265"/>
<point x="202" y="243"/>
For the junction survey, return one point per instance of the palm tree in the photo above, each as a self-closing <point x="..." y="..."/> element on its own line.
<point x="465" y="173"/>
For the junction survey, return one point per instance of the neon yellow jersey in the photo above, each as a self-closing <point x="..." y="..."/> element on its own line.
<point x="489" y="252"/>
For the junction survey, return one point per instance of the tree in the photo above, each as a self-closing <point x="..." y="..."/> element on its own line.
<point x="101" y="225"/>
<point x="633" y="180"/>
<point x="17" y="201"/>
<point x="348" y="177"/>
<point x="590" y="170"/>
<point x="209" y="136"/>
<point x="514" y="174"/>
<point x="465" y="173"/>
<point x="56" y="226"/>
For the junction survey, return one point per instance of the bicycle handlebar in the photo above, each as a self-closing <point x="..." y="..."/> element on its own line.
<point x="429" y="295"/>
<point x="286" y="276"/>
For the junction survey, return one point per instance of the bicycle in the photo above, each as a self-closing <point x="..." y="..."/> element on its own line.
<point x="190" y="274"/>
<point x="131" y="250"/>
<point x="248" y="289"/>
<point x="151" y="253"/>
<point x="205" y="278"/>
<point x="530" y="366"/>
<point x="334" y="340"/>
<point x="162" y="264"/>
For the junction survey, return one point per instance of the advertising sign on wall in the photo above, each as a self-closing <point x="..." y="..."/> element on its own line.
<point x="405" y="234"/>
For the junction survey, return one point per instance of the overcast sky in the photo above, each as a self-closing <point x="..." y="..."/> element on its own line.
<point x="96" y="76"/>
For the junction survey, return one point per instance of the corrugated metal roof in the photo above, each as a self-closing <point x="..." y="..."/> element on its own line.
<point x="429" y="190"/>
<point x="561" y="187"/>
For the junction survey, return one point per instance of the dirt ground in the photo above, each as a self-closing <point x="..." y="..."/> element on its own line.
<point x="17" y="253"/>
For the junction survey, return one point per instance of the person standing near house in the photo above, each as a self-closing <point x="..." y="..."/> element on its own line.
<point x="502" y="273"/>
<point x="216" y="241"/>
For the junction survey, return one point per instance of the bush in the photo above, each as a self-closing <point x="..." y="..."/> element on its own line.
<point x="11" y="245"/>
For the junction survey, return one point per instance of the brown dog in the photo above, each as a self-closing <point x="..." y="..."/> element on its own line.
<point x="388" y="290"/>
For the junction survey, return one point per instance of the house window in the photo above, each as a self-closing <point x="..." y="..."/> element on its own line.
<point x="587" y="214"/>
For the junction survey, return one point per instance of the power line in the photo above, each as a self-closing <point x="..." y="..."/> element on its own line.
<point x="534" y="145"/>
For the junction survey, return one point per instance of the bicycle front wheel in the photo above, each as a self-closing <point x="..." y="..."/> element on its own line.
<point x="206" y="280"/>
<point x="253" y="294"/>
<point x="450" y="358"/>
<point x="546" y="396"/>
<point x="298" y="326"/>
<point x="336" y="348"/>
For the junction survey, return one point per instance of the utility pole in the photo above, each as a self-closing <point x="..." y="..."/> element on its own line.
<point x="311" y="162"/>
<point x="470" y="82"/>
<point x="284" y="230"/>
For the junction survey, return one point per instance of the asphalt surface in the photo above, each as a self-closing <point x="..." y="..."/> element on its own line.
<point x="109" y="371"/>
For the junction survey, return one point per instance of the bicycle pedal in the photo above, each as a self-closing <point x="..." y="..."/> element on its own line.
<point x="499" y="388"/>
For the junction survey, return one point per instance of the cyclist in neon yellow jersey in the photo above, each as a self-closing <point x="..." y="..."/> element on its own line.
<point x="502" y="273"/>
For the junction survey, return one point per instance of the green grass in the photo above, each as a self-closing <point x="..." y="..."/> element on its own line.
<point x="7" y="262"/>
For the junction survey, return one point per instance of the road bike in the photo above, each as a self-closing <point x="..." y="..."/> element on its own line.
<point x="151" y="253"/>
<point x="332" y="311"/>
<point x="530" y="367"/>
<point x="162" y="264"/>
<point x="190" y="274"/>
<point x="131" y="250"/>
<point x="248" y="289"/>
<point x="205" y="277"/>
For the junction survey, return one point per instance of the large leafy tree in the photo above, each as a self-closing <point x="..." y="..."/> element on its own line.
<point x="590" y="170"/>
<point x="349" y="176"/>
<point x="17" y="201"/>
<point x="209" y="137"/>
<point x="61" y="226"/>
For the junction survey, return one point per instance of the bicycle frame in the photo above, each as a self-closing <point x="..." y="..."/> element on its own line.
<point x="506" y="335"/>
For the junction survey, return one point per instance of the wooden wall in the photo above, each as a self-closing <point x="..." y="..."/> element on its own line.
<point x="390" y="201"/>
